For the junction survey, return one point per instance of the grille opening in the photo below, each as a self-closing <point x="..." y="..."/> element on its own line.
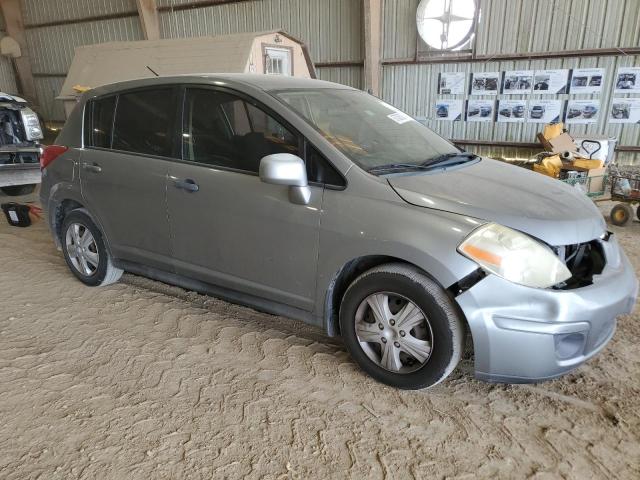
<point x="584" y="260"/>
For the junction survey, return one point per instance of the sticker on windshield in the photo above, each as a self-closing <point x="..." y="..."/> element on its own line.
<point x="399" y="117"/>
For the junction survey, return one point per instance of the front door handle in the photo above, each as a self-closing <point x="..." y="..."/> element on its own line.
<point x="92" y="167"/>
<point x="187" y="184"/>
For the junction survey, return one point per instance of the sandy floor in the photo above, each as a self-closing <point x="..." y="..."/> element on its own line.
<point x="143" y="380"/>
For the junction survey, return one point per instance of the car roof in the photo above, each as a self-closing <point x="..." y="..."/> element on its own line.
<point x="258" y="81"/>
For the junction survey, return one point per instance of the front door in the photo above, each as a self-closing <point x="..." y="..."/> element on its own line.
<point x="124" y="168"/>
<point x="229" y="228"/>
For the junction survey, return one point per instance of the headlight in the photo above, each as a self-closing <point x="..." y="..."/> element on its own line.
<point x="31" y="124"/>
<point x="514" y="256"/>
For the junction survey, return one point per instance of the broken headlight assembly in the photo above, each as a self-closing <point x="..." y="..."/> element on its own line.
<point x="514" y="256"/>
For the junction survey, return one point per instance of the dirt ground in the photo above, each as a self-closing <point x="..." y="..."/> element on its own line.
<point x="143" y="380"/>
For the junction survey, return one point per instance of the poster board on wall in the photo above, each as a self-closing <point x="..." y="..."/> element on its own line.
<point x="451" y="83"/>
<point x="625" y="110"/>
<point x="543" y="110"/>
<point x="480" y="110"/>
<point x="484" y="83"/>
<point x="512" y="111"/>
<point x="586" y="80"/>
<point x="627" y="80"/>
<point x="551" y="82"/>
<point x="448" y="110"/>
<point x="517" y="82"/>
<point x="582" y="111"/>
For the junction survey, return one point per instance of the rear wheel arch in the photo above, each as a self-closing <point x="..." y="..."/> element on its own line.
<point x="87" y="247"/>
<point x="59" y="212"/>
<point x="64" y="208"/>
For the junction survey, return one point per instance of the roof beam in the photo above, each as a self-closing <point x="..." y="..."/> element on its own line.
<point x="372" y="45"/>
<point x="148" y="12"/>
<point x="12" y="12"/>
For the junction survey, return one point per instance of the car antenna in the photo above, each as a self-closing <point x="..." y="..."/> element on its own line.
<point x="152" y="70"/>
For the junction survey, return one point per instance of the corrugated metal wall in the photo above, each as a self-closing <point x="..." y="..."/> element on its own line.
<point x="516" y="27"/>
<point x="52" y="46"/>
<point x="7" y="73"/>
<point x="331" y="28"/>
<point x="333" y="31"/>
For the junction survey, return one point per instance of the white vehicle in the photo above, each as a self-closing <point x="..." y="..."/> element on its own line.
<point x="20" y="133"/>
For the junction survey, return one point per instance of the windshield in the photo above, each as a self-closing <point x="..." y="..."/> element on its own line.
<point x="369" y="131"/>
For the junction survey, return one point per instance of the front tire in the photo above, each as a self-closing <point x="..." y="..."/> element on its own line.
<point x="85" y="252"/>
<point x="401" y="327"/>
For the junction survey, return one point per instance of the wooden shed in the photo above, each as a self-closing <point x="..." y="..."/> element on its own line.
<point x="273" y="53"/>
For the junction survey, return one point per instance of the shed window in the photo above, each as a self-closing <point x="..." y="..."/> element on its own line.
<point x="277" y="61"/>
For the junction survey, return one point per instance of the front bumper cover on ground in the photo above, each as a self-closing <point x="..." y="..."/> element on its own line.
<point x="523" y="334"/>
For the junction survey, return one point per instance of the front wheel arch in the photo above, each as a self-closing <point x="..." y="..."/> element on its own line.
<point x="346" y="275"/>
<point x="444" y="319"/>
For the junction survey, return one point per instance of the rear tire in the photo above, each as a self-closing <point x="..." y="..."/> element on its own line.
<point x="85" y="251"/>
<point x="621" y="214"/>
<point x="437" y="327"/>
<point x="17" y="190"/>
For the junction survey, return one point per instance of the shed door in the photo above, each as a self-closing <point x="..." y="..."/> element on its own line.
<point x="277" y="61"/>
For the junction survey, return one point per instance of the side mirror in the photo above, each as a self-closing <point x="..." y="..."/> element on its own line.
<point x="287" y="169"/>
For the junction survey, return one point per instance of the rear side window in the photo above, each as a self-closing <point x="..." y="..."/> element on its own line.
<point x="100" y="126"/>
<point x="145" y="121"/>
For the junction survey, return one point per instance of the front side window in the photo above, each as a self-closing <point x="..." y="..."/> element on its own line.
<point x="222" y="129"/>
<point x="145" y="121"/>
<point x="367" y="130"/>
<point x="100" y="124"/>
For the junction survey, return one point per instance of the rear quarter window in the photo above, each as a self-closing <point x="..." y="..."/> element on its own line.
<point x="99" y="122"/>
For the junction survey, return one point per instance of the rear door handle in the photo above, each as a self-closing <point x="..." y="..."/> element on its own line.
<point x="187" y="184"/>
<point x="92" y="167"/>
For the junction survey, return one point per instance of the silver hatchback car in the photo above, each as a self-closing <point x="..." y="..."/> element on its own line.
<point x="322" y="203"/>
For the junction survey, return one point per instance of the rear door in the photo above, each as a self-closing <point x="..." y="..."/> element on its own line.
<point x="229" y="228"/>
<point x="130" y="139"/>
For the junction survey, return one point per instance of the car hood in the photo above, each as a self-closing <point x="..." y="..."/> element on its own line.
<point x="512" y="196"/>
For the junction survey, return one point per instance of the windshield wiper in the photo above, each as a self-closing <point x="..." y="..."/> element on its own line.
<point x="397" y="166"/>
<point x="450" y="158"/>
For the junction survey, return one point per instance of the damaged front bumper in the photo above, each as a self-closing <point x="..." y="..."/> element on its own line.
<point x="522" y="334"/>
